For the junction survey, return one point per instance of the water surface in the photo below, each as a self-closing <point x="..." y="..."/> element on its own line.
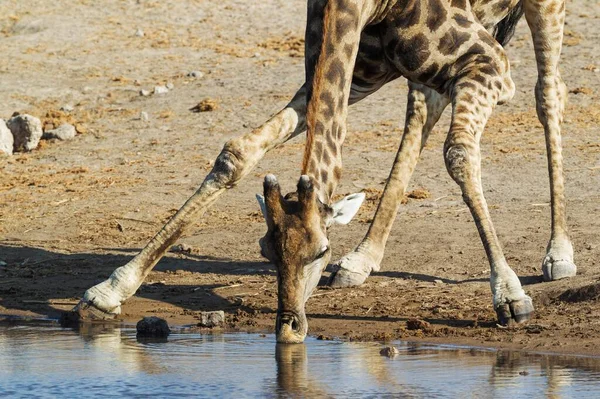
<point x="108" y="361"/>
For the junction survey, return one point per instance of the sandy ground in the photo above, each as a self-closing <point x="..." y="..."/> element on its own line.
<point x="71" y="212"/>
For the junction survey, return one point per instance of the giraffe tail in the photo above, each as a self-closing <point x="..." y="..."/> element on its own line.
<point x="505" y="29"/>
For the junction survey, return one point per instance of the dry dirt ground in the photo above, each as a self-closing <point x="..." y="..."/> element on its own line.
<point x="71" y="212"/>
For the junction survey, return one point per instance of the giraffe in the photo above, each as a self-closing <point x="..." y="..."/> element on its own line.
<point x="353" y="47"/>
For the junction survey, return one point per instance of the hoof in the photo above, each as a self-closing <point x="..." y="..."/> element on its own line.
<point x="86" y="310"/>
<point x="352" y="270"/>
<point x="515" y="312"/>
<point x="558" y="269"/>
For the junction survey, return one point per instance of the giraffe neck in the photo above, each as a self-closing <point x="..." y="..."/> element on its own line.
<point x="330" y="70"/>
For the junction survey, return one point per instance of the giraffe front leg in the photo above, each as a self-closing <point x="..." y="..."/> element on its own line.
<point x="423" y="111"/>
<point x="472" y="105"/>
<point x="236" y="160"/>
<point x="546" y="22"/>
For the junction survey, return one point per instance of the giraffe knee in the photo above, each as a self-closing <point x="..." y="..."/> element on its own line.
<point x="458" y="163"/>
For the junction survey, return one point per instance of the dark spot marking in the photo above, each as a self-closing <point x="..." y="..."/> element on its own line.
<point x="462" y="21"/>
<point x="436" y="15"/>
<point x="335" y="73"/>
<point x="462" y="4"/>
<point x="476" y="49"/>
<point x="451" y="41"/>
<point x="478" y="78"/>
<point x="337" y="173"/>
<point x="488" y="70"/>
<point x="327" y="105"/>
<point x="326" y="158"/>
<point x="414" y="52"/>
<point x="324" y="176"/>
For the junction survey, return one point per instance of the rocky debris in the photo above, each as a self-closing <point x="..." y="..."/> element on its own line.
<point x="152" y="327"/>
<point x="26" y="130"/>
<point x="67" y="108"/>
<point x="161" y="90"/>
<point x="6" y="139"/>
<point x="419" y="193"/>
<point x="389" y="351"/>
<point x="63" y="132"/>
<point x="418" y="324"/>
<point x="139" y="33"/>
<point x="170" y="86"/>
<point x="145" y="93"/>
<point x="206" y="105"/>
<point x="212" y="319"/>
<point x="195" y="74"/>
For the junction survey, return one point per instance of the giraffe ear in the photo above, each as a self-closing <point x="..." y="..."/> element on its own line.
<point x="346" y="208"/>
<point x="261" y="203"/>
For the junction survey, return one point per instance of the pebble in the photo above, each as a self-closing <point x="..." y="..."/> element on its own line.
<point x="195" y="74"/>
<point x="67" y="108"/>
<point x="6" y="139"/>
<point x="144" y="93"/>
<point x="63" y="132"/>
<point x="139" y="33"/>
<point x="152" y="327"/>
<point x="212" y="319"/>
<point x="389" y="351"/>
<point x="160" y="90"/>
<point x="170" y="86"/>
<point x="144" y="116"/>
<point x="26" y="131"/>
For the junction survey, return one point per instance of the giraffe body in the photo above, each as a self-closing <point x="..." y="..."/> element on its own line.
<point x="447" y="51"/>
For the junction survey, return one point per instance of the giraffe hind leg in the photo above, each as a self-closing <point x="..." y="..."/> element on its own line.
<point x="472" y="104"/>
<point x="546" y="22"/>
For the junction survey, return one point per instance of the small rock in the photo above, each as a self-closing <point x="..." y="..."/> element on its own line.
<point x="195" y="74"/>
<point x="63" y="132"/>
<point x="6" y="139"/>
<point x="139" y="33"/>
<point x="67" y="108"/>
<point x="160" y="90"/>
<point x="26" y="130"/>
<point x="144" y="93"/>
<point x="205" y="105"/>
<point x="170" y="86"/>
<point x="181" y="248"/>
<point x="418" y="324"/>
<point x="324" y="338"/>
<point x="144" y="116"/>
<point x="152" y="327"/>
<point x="524" y="372"/>
<point x="389" y="351"/>
<point x="3" y="263"/>
<point x="212" y="319"/>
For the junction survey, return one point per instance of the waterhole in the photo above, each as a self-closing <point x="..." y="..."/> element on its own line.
<point x="108" y="361"/>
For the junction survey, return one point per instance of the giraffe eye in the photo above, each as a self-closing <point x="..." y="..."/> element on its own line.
<point x="323" y="252"/>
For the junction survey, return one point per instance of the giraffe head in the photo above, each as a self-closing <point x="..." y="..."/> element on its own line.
<point x="296" y="242"/>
